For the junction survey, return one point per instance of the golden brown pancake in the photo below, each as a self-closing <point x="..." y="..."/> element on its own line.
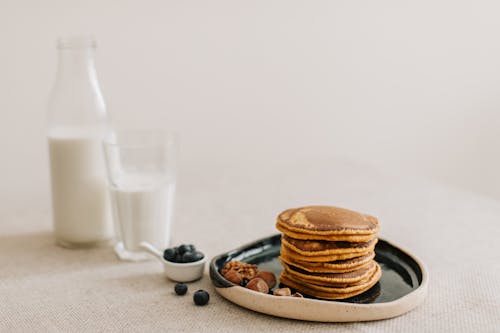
<point x="328" y="220"/>
<point x="339" y="266"/>
<point x="329" y="284"/>
<point x="320" y="258"/>
<point x="330" y="293"/>
<point x="349" y="277"/>
<point x="308" y="236"/>
<point x="319" y="248"/>
<point x="352" y="277"/>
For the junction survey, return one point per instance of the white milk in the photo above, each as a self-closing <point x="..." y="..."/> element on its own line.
<point x="144" y="213"/>
<point x="79" y="193"/>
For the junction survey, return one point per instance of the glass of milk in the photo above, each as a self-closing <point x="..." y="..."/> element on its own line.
<point x="141" y="167"/>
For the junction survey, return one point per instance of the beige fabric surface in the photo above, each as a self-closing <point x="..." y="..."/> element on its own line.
<point x="44" y="288"/>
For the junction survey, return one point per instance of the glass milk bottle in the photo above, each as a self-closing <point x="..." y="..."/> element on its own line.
<point x="77" y="121"/>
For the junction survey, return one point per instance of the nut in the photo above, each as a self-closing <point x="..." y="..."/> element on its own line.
<point x="246" y="271"/>
<point x="298" y="295"/>
<point x="282" y="292"/>
<point x="230" y="265"/>
<point x="268" y="277"/>
<point x="233" y="276"/>
<point x="258" y="284"/>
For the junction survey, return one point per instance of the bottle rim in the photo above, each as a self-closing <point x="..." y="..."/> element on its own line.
<point x="76" y="42"/>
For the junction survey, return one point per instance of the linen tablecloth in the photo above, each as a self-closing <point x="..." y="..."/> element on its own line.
<point x="222" y="205"/>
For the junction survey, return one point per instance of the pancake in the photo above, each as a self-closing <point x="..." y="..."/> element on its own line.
<point x="320" y="248"/>
<point x="320" y="258"/>
<point x="286" y="279"/>
<point x="339" y="266"/>
<point x="328" y="220"/>
<point x="329" y="284"/>
<point x="308" y="236"/>
<point x="348" y="278"/>
<point x="331" y="293"/>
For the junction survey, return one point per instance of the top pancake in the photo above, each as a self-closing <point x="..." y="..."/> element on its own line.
<point x="346" y="238"/>
<point x="327" y="220"/>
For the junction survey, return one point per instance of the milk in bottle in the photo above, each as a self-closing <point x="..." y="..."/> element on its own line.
<point x="77" y="122"/>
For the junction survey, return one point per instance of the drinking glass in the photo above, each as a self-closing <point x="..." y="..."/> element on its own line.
<point x="141" y="168"/>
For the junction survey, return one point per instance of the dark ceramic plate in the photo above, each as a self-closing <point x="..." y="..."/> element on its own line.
<point x="402" y="287"/>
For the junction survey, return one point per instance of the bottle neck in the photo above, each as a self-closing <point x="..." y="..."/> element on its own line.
<point x="76" y="65"/>
<point x="76" y="100"/>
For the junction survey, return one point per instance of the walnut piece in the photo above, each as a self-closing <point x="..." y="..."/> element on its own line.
<point x="246" y="271"/>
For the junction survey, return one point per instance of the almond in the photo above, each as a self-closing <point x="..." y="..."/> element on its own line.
<point x="268" y="277"/>
<point x="258" y="284"/>
<point x="282" y="292"/>
<point x="233" y="276"/>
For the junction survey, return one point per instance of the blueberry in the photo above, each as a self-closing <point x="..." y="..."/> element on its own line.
<point x="188" y="257"/>
<point x="201" y="297"/>
<point x="169" y="254"/>
<point x="183" y="249"/>
<point x="181" y="288"/>
<point x="178" y="258"/>
<point x="198" y="256"/>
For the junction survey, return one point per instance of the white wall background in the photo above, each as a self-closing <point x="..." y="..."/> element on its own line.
<point x="408" y="86"/>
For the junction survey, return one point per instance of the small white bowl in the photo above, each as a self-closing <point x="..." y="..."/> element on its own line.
<point x="179" y="272"/>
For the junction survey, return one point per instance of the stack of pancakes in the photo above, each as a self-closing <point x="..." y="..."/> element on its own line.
<point x="328" y="252"/>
